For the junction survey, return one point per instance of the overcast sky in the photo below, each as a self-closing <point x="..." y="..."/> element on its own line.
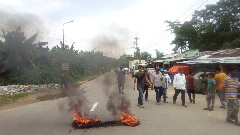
<point x="106" y="25"/>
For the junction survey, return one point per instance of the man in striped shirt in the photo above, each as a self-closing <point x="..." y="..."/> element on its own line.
<point x="230" y="87"/>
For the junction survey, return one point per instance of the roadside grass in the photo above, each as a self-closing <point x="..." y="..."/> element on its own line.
<point x="8" y="99"/>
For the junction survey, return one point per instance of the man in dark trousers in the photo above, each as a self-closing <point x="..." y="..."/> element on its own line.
<point x="190" y="87"/>
<point x="179" y="84"/>
<point x="204" y="77"/>
<point x="63" y="81"/>
<point x="140" y="77"/>
<point x="121" y="80"/>
<point x="146" y="83"/>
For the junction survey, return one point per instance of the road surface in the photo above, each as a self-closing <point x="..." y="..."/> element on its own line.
<point x="53" y="117"/>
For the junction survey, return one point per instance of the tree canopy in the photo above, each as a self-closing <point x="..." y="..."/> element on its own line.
<point x="215" y="27"/>
<point x="22" y="61"/>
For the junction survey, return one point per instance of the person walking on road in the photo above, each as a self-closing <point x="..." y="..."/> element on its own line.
<point x="163" y="91"/>
<point x="121" y="80"/>
<point x="63" y="81"/>
<point x="219" y="77"/>
<point x="146" y="83"/>
<point x="179" y="84"/>
<point x="157" y="82"/>
<point x="168" y="80"/>
<point x="230" y="88"/>
<point x="204" y="77"/>
<point x="140" y="79"/>
<point x="211" y="92"/>
<point x="190" y="87"/>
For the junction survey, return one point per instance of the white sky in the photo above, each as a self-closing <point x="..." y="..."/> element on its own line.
<point x="100" y="22"/>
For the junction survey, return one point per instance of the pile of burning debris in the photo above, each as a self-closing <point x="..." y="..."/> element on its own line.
<point x="80" y="122"/>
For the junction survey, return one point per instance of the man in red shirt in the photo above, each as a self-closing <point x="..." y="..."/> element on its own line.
<point x="190" y="86"/>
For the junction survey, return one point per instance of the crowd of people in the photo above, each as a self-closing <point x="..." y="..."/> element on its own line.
<point x="225" y="86"/>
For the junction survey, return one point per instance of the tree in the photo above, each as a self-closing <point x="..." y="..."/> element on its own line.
<point x="159" y="54"/>
<point x="145" y="56"/>
<point x="17" y="53"/>
<point x="216" y="27"/>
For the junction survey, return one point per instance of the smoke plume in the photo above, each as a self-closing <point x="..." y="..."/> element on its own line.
<point x="115" y="100"/>
<point x="29" y="23"/>
<point x="113" y="42"/>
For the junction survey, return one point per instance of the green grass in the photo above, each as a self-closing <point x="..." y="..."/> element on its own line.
<point x="7" y="99"/>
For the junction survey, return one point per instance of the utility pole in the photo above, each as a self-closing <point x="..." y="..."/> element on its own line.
<point x="136" y="38"/>
<point x="136" y="43"/>
<point x="63" y="35"/>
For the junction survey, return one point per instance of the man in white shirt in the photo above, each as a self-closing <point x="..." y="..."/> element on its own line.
<point x="157" y="79"/>
<point x="179" y="84"/>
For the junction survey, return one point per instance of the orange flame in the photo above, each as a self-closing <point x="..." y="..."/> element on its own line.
<point x="128" y="118"/>
<point x="95" y="120"/>
<point x="79" y="118"/>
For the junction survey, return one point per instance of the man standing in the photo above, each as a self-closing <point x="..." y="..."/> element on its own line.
<point x="157" y="82"/>
<point x="164" y="86"/>
<point x="204" y="77"/>
<point x="63" y="81"/>
<point x="121" y="80"/>
<point x="219" y="77"/>
<point x="179" y="84"/>
<point x="146" y="83"/>
<point x="140" y="79"/>
<point x="168" y="80"/>
<point x="190" y="87"/>
<point x="229" y="91"/>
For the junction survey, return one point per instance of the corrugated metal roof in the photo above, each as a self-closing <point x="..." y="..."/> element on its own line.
<point x="202" y="60"/>
<point x="219" y="56"/>
<point x="222" y="53"/>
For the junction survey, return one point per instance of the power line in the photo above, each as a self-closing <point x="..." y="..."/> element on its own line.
<point x="188" y="10"/>
<point x="178" y="18"/>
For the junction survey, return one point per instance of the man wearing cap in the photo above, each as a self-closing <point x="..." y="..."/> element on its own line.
<point x="168" y="80"/>
<point x="229" y="91"/>
<point x="164" y="86"/>
<point x="179" y="84"/>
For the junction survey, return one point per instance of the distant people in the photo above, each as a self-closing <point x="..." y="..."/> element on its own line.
<point x="211" y="92"/>
<point x="219" y="77"/>
<point x="146" y="83"/>
<point x="190" y="87"/>
<point x="204" y="77"/>
<point x="157" y="82"/>
<point x="230" y="87"/>
<point x="163" y="91"/>
<point x="140" y="79"/>
<point x="116" y="71"/>
<point x="171" y="75"/>
<point x="179" y="84"/>
<point x="121" y="80"/>
<point x="63" y="81"/>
